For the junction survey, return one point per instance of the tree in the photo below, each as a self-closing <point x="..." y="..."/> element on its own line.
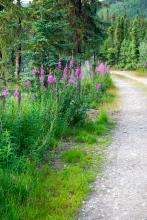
<point x="11" y="35"/>
<point x="124" y="54"/>
<point x="143" y="54"/>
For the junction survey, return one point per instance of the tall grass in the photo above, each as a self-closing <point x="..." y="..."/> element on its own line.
<point x="28" y="133"/>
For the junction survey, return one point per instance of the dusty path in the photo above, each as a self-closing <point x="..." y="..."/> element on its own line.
<point x="131" y="76"/>
<point x="122" y="193"/>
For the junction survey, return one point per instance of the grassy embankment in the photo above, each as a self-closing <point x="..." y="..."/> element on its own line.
<point x="66" y="184"/>
<point x="55" y="190"/>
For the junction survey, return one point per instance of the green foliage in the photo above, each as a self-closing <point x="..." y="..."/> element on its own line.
<point x="130" y="7"/>
<point x="73" y="156"/>
<point x="91" y="130"/>
<point x="40" y="35"/>
<point x="123" y="40"/>
<point x="143" y="54"/>
<point x="89" y="89"/>
<point x="20" y="190"/>
<point x="44" y="32"/>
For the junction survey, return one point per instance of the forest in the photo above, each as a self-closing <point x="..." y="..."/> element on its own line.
<point x="55" y="64"/>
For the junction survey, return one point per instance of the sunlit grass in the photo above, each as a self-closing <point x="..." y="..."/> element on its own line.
<point x="111" y="101"/>
<point x="141" y="73"/>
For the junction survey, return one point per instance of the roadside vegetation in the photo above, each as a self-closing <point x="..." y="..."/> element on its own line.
<point x="49" y="149"/>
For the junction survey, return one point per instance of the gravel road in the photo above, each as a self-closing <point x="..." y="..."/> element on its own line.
<point x="121" y="194"/>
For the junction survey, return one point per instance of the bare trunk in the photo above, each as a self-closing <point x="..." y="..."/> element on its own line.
<point x="18" y="61"/>
<point x="78" y="35"/>
<point x="18" y="54"/>
<point x="18" y="49"/>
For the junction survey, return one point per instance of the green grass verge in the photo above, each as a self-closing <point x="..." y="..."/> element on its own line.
<point x="141" y="73"/>
<point x="57" y="194"/>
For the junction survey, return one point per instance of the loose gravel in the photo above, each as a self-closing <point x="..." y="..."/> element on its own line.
<point x="121" y="194"/>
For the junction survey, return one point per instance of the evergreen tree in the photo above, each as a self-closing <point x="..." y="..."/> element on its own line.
<point x="119" y="36"/>
<point x="134" y="45"/>
<point x="143" y="54"/>
<point x="124" y="54"/>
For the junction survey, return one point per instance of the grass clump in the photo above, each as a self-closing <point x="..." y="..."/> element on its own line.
<point x="91" y="129"/>
<point x="73" y="156"/>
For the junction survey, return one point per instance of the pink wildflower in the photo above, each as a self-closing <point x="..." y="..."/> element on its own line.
<point x="54" y="80"/>
<point x="42" y="72"/>
<point x="34" y="72"/>
<point x="71" y="64"/>
<point x="59" y="65"/>
<point x="98" y="86"/>
<point x="17" y="94"/>
<point x="51" y="79"/>
<point x="102" y="68"/>
<point x="71" y="80"/>
<point x="66" y="70"/>
<point x="5" y="92"/>
<point x="79" y="73"/>
<point x="28" y="84"/>
<point x="41" y="79"/>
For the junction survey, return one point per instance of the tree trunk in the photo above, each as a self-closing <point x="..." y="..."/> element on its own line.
<point x="18" y="61"/>
<point x="18" y="49"/>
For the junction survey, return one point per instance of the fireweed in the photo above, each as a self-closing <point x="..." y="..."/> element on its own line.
<point x="42" y="72"/>
<point x="34" y="72"/>
<point x="30" y="132"/>
<point x="5" y="92"/>
<point x="71" y="65"/>
<point x="102" y="68"/>
<point x="28" y="84"/>
<point x="59" y="103"/>
<point x="59" y="65"/>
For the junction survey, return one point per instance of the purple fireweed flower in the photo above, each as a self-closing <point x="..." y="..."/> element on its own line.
<point x="71" y="80"/>
<point x="59" y="65"/>
<point x="71" y="64"/>
<point x="50" y="79"/>
<point x="98" y="86"/>
<point x="28" y="84"/>
<point x="5" y="92"/>
<point x="64" y="77"/>
<point x="42" y="72"/>
<point x="54" y="80"/>
<point x="41" y="79"/>
<point x="102" y="68"/>
<point x="34" y="72"/>
<point x="66" y="71"/>
<point x="79" y="73"/>
<point x="17" y="93"/>
<point x="33" y="97"/>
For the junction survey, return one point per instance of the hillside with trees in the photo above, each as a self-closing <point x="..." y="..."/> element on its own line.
<point x="126" y="43"/>
<point x="130" y="7"/>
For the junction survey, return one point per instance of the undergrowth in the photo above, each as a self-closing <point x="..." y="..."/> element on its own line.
<point x="30" y="186"/>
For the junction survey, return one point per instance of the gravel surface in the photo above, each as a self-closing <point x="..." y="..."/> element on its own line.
<point x="121" y="194"/>
<point x="131" y="75"/>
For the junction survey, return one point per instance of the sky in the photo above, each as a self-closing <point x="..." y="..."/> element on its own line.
<point x="26" y="1"/>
